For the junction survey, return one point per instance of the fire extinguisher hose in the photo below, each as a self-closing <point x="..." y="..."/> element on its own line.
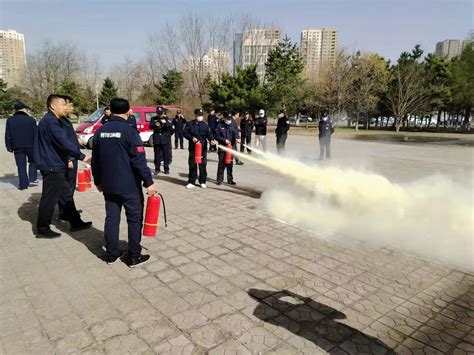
<point x="164" y="209"/>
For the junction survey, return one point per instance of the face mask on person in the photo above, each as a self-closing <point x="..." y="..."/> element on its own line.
<point x="261" y="115"/>
<point x="228" y="122"/>
<point x="199" y="118"/>
<point x="281" y="115"/>
<point x="325" y="118"/>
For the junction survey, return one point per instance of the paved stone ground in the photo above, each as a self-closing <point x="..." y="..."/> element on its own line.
<point x="227" y="279"/>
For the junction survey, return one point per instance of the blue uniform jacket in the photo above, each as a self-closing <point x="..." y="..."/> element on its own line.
<point x="20" y="131"/>
<point x="225" y="132"/>
<point x="199" y="130"/>
<point x="325" y="128"/>
<point x="52" y="148"/>
<point x="118" y="159"/>
<point x="162" y="132"/>
<point x="71" y="133"/>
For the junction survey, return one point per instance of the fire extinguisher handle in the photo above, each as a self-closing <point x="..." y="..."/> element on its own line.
<point x="164" y="209"/>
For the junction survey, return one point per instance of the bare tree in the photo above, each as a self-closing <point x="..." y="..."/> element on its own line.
<point x="407" y="92"/>
<point x="128" y="77"/>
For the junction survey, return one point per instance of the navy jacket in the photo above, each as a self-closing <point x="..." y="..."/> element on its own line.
<point x="52" y="147"/>
<point x="234" y="126"/>
<point x="225" y="132"/>
<point x="199" y="130"/>
<point x="261" y="126"/>
<point x="283" y="125"/>
<point x="325" y="128"/>
<point x="179" y="123"/>
<point x="212" y="121"/>
<point x="118" y="159"/>
<point x="71" y="133"/>
<point x="20" y="131"/>
<point x="162" y="132"/>
<point x="132" y="121"/>
<point x="246" y="127"/>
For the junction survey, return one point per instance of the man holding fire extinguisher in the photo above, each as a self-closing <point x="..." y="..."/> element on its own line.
<point x="197" y="132"/>
<point x="119" y="167"/>
<point x="226" y="136"/>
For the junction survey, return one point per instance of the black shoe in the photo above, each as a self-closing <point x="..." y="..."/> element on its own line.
<point x="219" y="183"/>
<point x="112" y="259"/>
<point x="240" y="163"/>
<point x="48" y="234"/>
<point x="167" y="172"/>
<point x="232" y="183"/>
<point x="81" y="226"/>
<point x="156" y="173"/>
<point x="135" y="262"/>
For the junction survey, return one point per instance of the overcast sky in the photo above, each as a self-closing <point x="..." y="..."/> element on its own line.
<point x="114" y="29"/>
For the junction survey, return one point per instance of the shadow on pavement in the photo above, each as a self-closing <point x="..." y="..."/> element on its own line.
<point x="313" y="321"/>
<point x="92" y="238"/>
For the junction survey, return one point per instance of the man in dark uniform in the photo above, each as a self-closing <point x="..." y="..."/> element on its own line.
<point x="179" y="122"/>
<point x="71" y="173"/>
<point x="20" y="134"/>
<point x="162" y="131"/>
<point x="52" y="149"/>
<point x="212" y="121"/>
<point x="106" y="116"/>
<point x="246" y="128"/>
<point x="326" y="130"/>
<point x="119" y="168"/>
<point x="198" y="131"/>
<point x="234" y="117"/>
<point x="132" y="121"/>
<point x="283" y="125"/>
<point x="225" y="135"/>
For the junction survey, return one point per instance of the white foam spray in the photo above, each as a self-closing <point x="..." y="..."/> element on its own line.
<point x="432" y="218"/>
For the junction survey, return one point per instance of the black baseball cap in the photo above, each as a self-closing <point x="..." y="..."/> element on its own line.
<point x="198" y="112"/>
<point x="20" y="106"/>
<point x="227" y="114"/>
<point x="160" y="109"/>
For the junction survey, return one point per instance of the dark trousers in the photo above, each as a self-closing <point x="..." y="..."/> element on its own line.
<point x="223" y="166"/>
<point x="325" y="144"/>
<point x="234" y="147"/>
<point x="20" y="159"/>
<point x="67" y="194"/>
<point x="245" y="140"/>
<point x="55" y="184"/>
<point x="162" y="154"/>
<point x="193" y="168"/>
<point x="179" y="137"/>
<point x="281" y="141"/>
<point x="133" y="205"/>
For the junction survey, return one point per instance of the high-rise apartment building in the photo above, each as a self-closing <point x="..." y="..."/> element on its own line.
<point x="252" y="47"/>
<point x="318" y="46"/>
<point x="12" y="57"/>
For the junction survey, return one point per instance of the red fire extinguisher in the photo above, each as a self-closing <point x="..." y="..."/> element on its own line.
<point x="81" y="181"/>
<point x="88" y="174"/>
<point x="152" y="215"/>
<point x="228" y="155"/>
<point x="198" y="152"/>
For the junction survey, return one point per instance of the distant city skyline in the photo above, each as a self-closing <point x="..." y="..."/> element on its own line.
<point x="113" y="30"/>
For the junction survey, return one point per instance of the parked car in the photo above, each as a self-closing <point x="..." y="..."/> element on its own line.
<point x="143" y="114"/>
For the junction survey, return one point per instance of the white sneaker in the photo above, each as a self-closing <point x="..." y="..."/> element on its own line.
<point x="189" y="186"/>
<point x="203" y="186"/>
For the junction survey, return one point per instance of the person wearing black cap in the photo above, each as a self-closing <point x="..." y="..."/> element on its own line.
<point x="212" y="121"/>
<point x="52" y="150"/>
<point x="198" y="131"/>
<point x="179" y="122"/>
<point x="225" y="135"/>
<point x="20" y="133"/>
<point x="246" y="128"/>
<point x="107" y="115"/>
<point x="283" y="125"/>
<point x="162" y="132"/>
<point x="119" y="168"/>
